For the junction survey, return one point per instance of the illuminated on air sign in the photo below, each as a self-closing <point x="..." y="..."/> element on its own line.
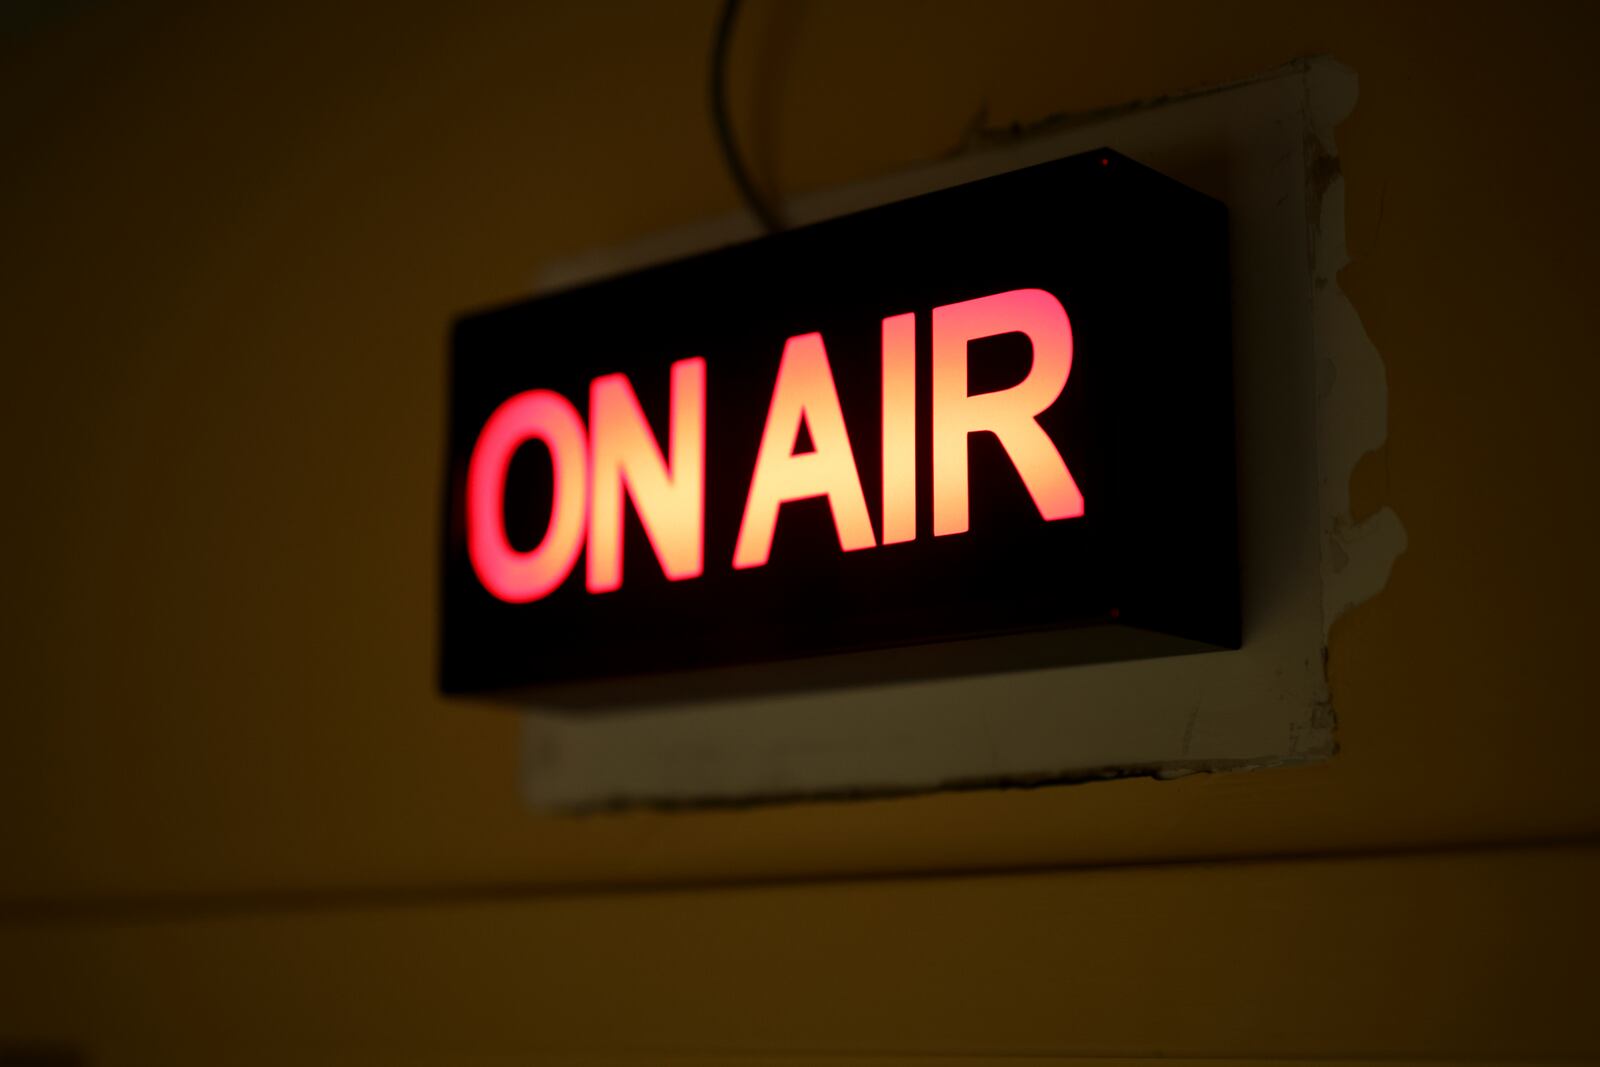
<point x="991" y="426"/>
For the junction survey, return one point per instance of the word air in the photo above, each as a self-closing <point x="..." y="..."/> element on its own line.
<point x="616" y="456"/>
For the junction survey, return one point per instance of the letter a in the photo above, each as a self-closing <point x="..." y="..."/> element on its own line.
<point x="804" y="392"/>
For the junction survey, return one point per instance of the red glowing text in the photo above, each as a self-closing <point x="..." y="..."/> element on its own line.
<point x="617" y="458"/>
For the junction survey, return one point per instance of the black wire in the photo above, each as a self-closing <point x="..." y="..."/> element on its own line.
<point x="719" y="117"/>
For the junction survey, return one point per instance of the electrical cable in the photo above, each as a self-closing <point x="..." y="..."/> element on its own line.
<point x="753" y="199"/>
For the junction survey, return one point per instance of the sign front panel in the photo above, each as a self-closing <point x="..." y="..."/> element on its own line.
<point x="996" y="410"/>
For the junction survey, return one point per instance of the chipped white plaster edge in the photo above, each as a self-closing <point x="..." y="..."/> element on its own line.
<point x="1352" y="386"/>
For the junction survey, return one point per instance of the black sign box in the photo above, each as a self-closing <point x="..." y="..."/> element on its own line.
<point x="1145" y="564"/>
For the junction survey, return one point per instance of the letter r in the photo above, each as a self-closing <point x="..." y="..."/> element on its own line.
<point x="1010" y="414"/>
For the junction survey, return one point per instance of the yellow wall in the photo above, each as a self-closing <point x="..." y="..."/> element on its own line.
<point x="237" y="824"/>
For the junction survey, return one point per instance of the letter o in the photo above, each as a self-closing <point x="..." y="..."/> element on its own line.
<point x="513" y="576"/>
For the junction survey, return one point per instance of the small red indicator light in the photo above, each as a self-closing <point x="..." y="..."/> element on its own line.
<point x="1104" y="162"/>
